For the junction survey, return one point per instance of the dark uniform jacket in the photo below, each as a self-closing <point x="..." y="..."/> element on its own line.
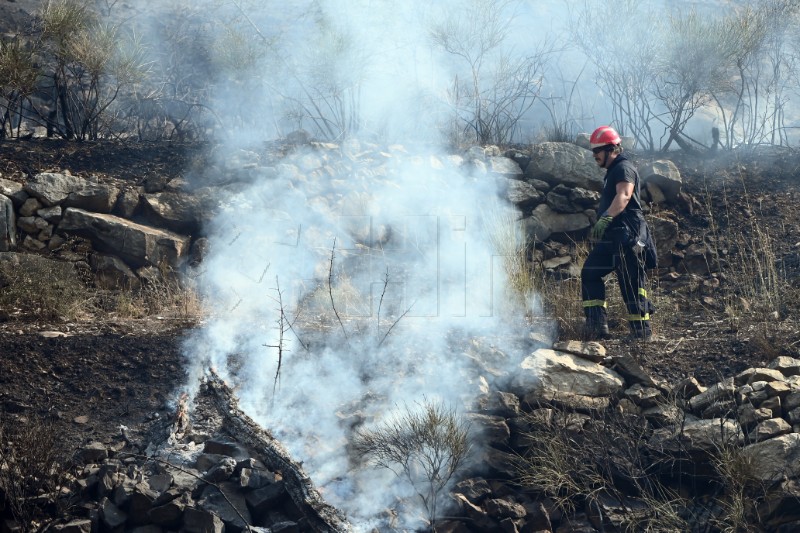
<point x="629" y="228"/>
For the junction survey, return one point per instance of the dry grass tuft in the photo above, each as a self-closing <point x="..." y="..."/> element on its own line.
<point x="33" y="469"/>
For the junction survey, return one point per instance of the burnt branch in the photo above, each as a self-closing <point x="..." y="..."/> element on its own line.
<point x="394" y="324"/>
<point x="282" y="322"/>
<point x="380" y="305"/>
<point x="383" y="293"/>
<point x="330" y="289"/>
<point x="284" y="325"/>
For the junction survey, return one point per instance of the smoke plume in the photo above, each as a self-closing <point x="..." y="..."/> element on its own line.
<point x="350" y="281"/>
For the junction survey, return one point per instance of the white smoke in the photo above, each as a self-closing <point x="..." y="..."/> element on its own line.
<point x="344" y="288"/>
<point x="406" y="259"/>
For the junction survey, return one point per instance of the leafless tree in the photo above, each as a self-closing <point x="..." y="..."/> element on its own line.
<point x="752" y="105"/>
<point x="695" y="64"/>
<point x="624" y="59"/>
<point x="494" y="87"/>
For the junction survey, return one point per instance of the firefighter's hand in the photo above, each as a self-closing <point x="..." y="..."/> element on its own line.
<point x="599" y="229"/>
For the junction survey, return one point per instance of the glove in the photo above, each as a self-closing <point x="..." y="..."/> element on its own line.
<point x="599" y="229"/>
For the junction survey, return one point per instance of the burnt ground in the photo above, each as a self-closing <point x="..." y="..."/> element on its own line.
<point x="88" y="378"/>
<point x="98" y="375"/>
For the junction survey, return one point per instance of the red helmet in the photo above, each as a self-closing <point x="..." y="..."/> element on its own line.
<point x="604" y="136"/>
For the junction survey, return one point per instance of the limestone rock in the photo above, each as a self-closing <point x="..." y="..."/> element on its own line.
<point x="178" y="211"/>
<point x="788" y="366"/>
<point x="521" y="193"/>
<point x="698" y="436"/>
<point x="544" y="222"/>
<point x="14" y="191"/>
<point x="558" y="162"/>
<point x="72" y="191"/>
<point x="769" y="429"/>
<point x="665" y="175"/>
<point x="504" y="166"/>
<point x="775" y="458"/>
<point x="136" y="244"/>
<point x="593" y="351"/>
<point x="550" y="371"/>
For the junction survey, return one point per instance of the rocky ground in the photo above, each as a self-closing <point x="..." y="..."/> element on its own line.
<point x="87" y="378"/>
<point x="125" y="372"/>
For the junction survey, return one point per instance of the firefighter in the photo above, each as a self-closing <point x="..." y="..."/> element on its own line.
<point x="621" y="243"/>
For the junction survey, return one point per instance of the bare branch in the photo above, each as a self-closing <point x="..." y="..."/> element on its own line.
<point x="330" y="289"/>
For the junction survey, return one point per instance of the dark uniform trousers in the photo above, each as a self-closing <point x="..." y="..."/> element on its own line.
<point x="607" y="256"/>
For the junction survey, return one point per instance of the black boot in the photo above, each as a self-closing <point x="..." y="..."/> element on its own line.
<point x="596" y="326"/>
<point x="640" y="330"/>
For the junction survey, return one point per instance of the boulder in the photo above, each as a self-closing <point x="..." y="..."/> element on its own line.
<point x="773" y="459"/>
<point x="475" y="490"/>
<point x="127" y="203"/>
<point x="769" y="429"/>
<point x="72" y="191"/>
<point x="112" y="516"/>
<point x="653" y="193"/>
<point x="521" y="193"/>
<point x="112" y="273"/>
<point x="228" y="503"/>
<point x="505" y="167"/>
<point x="29" y="207"/>
<point x="593" y="351"/>
<point x="560" y="200"/>
<point x="544" y="222"/>
<point x="178" y="211"/>
<point x="665" y="175"/>
<point x="584" y="198"/>
<point x="136" y="244"/>
<point x="693" y="436"/>
<point x="788" y="366"/>
<point x="51" y="214"/>
<point x="14" y="191"/>
<point x="95" y="197"/>
<point x="201" y="521"/>
<point x="723" y="390"/>
<point x="492" y="428"/>
<point x="32" y="225"/>
<point x="558" y="162"/>
<point x="665" y="234"/>
<point x="549" y="372"/>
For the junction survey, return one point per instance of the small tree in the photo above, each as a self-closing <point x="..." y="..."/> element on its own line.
<point x="87" y="66"/>
<point x="752" y="104"/>
<point x="624" y="58"/>
<point x="694" y="64"/>
<point x="18" y="78"/>
<point x="426" y="446"/>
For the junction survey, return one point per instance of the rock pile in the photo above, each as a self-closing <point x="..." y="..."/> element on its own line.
<point x="225" y="474"/>
<point x="195" y="476"/>
<point x="698" y="443"/>
<point x="135" y="229"/>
